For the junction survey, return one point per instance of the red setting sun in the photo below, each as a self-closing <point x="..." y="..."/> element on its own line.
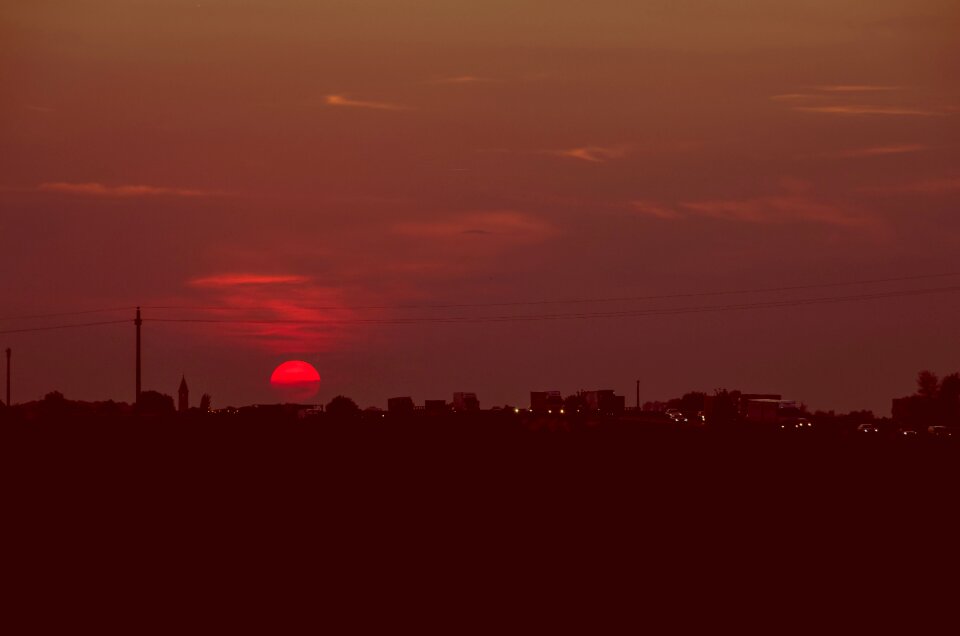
<point x="295" y="380"/>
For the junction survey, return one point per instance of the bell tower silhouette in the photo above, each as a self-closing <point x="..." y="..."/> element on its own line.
<point x="184" y="403"/>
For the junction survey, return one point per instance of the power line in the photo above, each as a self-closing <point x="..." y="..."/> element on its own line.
<point x="572" y="301"/>
<point x="705" y="294"/>
<point x="572" y="315"/>
<point x="68" y="313"/>
<point x="637" y="313"/>
<point x="70" y="326"/>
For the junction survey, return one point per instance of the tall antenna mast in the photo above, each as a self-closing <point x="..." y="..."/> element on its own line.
<point x="138" y="322"/>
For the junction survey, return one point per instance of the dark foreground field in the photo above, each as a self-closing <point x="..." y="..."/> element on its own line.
<point x="175" y="525"/>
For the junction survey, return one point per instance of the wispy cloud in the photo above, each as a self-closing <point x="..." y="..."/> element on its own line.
<point x="868" y="109"/>
<point x="657" y="210"/>
<point x="937" y="186"/>
<point x="235" y="280"/>
<point x="454" y="245"/>
<point x="94" y="189"/>
<point x="856" y="88"/>
<point x="795" y="97"/>
<point x="779" y="209"/>
<point x="343" y="100"/>
<point x="930" y="186"/>
<point x="278" y="313"/>
<point x="463" y="79"/>
<point x="768" y="210"/>
<point x="879" y="151"/>
<point x="823" y="99"/>
<point x="593" y="154"/>
<point x="506" y="225"/>
<point x="827" y="91"/>
<point x="39" y="109"/>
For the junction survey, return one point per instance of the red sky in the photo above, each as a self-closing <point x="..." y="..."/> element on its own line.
<point x="351" y="163"/>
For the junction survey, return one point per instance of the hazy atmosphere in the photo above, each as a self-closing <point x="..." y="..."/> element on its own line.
<point x="422" y="197"/>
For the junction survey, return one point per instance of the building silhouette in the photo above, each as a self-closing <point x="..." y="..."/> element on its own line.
<point x="464" y="401"/>
<point x="184" y="393"/>
<point x="400" y="405"/>
<point x="604" y="402"/>
<point x="546" y="401"/>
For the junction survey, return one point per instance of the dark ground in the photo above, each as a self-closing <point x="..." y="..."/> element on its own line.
<point x="182" y="524"/>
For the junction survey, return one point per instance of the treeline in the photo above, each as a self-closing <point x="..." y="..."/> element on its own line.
<point x="935" y="402"/>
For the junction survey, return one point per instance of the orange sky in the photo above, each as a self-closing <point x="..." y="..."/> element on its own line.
<point x="337" y="161"/>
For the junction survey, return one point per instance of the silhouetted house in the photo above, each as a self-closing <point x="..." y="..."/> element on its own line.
<point x="435" y="407"/>
<point x="184" y="393"/>
<point x="546" y="401"/>
<point x="604" y="402"/>
<point x="465" y="402"/>
<point x="400" y="405"/>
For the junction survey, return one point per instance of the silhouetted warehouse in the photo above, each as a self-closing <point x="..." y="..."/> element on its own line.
<point x="546" y="401"/>
<point x="746" y="398"/>
<point x="400" y="405"/>
<point x="463" y="401"/>
<point x="604" y="401"/>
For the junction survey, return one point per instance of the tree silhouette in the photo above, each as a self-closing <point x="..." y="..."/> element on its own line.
<point x="935" y="400"/>
<point x="949" y="396"/>
<point x="155" y="403"/>
<point x="724" y="403"/>
<point x="54" y="404"/>
<point x="927" y="384"/>
<point x="950" y="387"/>
<point x="342" y="407"/>
<point x="205" y="403"/>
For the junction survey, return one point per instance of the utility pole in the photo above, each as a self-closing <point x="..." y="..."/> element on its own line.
<point x="8" y="377"/>
<point x="138" y="322"/>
